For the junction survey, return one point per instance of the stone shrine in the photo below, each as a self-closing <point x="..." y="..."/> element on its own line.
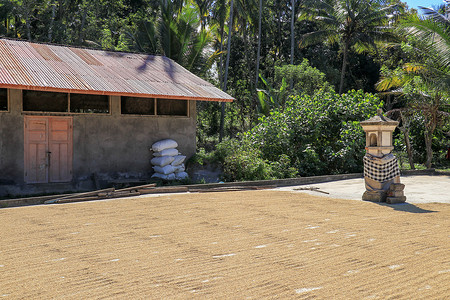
<point x="381" y="171"/>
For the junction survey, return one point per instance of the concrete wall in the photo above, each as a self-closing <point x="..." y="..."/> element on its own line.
<point x="119" y="145"/>
<point x="11" y="141"/>
<point x="113" y="146"/>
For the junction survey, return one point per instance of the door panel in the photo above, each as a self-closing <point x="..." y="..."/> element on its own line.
<point x="60" y="146"/>
<point x="37" y="168"/>
<point x="48" y="149"/>
<point x="35" y="147"/>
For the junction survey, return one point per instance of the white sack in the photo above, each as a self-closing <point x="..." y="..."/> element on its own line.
<point x="163" y="145"/>
<point x="166" y="177"/>
<point x="164" y="170"/>
<point x="178" y="160"/>
<point x="167" y="152"/>
<point x="179" y="168"/>
<point x="181" y="175"/>
<point x="162" y="161"/>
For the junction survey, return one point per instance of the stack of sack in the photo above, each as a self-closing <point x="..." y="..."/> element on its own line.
<point x="168" y="163"/>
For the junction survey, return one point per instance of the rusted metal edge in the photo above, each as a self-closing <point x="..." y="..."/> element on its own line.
<point x="110" y="93"/>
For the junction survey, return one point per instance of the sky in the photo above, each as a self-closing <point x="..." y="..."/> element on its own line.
<point x="425" y="3"/>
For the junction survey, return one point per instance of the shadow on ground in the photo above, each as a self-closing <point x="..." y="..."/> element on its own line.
<point x="407" y="207"/>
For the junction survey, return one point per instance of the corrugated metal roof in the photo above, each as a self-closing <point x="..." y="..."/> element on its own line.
<point x="25" y="65"/>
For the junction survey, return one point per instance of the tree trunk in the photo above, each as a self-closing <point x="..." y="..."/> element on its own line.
<point x="279" y="31"/>
<point x="344" y="66"/>
<point x="28" y="25"/>
<point x="429" y="152"/>
<point x="258" y="55"/>
<point x="83" y="21"/>
<point x="221" y="57"/>
<point x="431" y="122"/>
<point x="292" y="32"/>
<point x="405" y="130"/>
<point x="247" y="47"/>
<point x="291" y="84"/>
<point x="409" y="149"/>
<point x="52" y="21"/>
<point x="429" y="130"/>
<point x="227" y="63"/>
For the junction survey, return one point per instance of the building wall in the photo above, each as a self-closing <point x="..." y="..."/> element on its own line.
<point x="119" y="144"/>
<point x="113" y="146"/>
<point x="11" y="141"/>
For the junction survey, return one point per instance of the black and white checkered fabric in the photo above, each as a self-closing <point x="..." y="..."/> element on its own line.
<point x="381" y="169"/>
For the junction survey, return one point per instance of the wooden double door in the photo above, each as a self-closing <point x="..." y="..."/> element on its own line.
<point x="48" y="149"/>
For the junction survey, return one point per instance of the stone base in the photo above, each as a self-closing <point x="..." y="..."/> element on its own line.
<point x="394" y="200"/>
<point x="395" y="193"/>
<point x="374" y="196"/>
<point x="397" y="187"/>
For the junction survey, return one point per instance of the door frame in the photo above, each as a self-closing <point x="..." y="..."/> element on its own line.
<point x="27" y="162"/>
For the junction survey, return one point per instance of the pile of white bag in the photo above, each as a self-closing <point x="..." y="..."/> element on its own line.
<point x="168" y="163"/>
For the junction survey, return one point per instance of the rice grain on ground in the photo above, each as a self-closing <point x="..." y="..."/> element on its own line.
<point x="252" y="244"/>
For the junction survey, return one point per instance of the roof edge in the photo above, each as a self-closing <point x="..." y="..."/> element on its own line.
<point x="107" y="93"/>
<point x="79" y="46"/>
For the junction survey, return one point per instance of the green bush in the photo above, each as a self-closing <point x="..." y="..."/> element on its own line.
<point x="305" y="79"/>
<point x="241" y="161"/>
<point x="312" y="135"/>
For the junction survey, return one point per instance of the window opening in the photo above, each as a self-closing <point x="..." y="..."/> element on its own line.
<point x="3" y="99"/>
<point x="171" y="107"/>
<point x="373" y="140"/>
<point x="85" y="103"/>
<point x="138" y="106"/>
<point x="45" y="101"/>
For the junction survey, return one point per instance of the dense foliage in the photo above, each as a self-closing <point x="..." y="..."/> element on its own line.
<point x="312" y="135"/>
<point x="280" y="54"/>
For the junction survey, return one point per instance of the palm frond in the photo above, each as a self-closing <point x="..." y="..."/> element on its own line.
<point x="434" y="15"/>
<point x="315" y="37"/>
<point x="436" y="35"/>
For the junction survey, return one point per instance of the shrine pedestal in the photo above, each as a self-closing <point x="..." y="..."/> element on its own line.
<point x="381" y="171"/>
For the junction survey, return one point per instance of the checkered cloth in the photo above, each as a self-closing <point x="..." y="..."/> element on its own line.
<point x="381" y="169"/>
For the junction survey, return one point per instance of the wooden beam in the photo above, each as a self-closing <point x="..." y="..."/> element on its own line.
<point x="163" y="190"/>
<point x="80" y="195"/>
<point x="145" y="186"/>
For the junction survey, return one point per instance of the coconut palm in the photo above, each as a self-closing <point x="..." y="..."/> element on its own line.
<point x="356" y="24"/>
<point x="174" y="33"/>
<point x="426" y="82"/>
<point x="433" y="29"/>
<point x="225" y="80"/>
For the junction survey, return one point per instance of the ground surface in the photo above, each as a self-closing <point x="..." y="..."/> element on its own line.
<point x="234" y="245"/>
<point x="418" y="189"/>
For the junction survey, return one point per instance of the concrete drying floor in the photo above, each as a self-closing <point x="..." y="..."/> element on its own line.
<point x="233" y="245"/>
<point x="418" y="189"/>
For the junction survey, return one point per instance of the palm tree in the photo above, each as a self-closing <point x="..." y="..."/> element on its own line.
<point x="174" y="33"/>
<point x="219" y="14"/>
<point x="427" y="82"/>
<point x="356" y="24"/>
<point x="434" y="31"/>
<point x="292" y="32"/>
<point x="203" y="7"/>
<point x="225" y="80"/>
<point x="258" y="55"/>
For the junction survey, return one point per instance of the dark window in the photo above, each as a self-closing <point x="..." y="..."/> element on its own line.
<point x="3" y="99"/>
<point x="44" y="101"/>
<point x="171" y="107"/>
<point x="84" y="103"/>
<point x="138" y="106"/>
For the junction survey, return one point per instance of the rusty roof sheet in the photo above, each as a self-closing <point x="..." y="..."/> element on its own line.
<point x="46" y="67"/>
